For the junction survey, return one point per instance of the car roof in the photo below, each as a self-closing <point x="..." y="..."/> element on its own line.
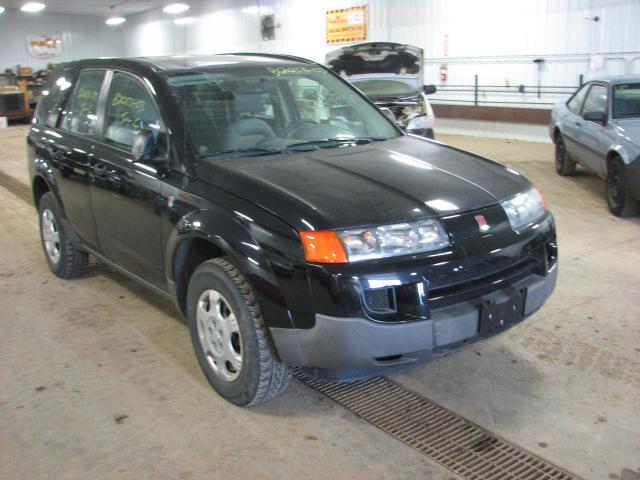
<point x="186" y="62"/>
<point x="615" y="79"/>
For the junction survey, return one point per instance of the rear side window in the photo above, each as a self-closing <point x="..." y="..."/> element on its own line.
<point x="596" y="101"/>
<point x="52" y="99"/>
<point x="130" y="109"/>
<point x="81" y="114"/>
<point x="575" y="104"/>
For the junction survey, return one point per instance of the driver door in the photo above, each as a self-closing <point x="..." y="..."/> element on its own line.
<point x="591" y="136"/>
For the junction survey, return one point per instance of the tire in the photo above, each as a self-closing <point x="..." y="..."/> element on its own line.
<point x="230" y="337"/>
<point x="65" y="259"/>
<point x="619" y="199"/>
<point x="565" y="166"/>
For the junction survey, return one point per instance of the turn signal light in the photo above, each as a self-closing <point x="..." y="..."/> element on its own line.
<point x="323" y="246"/>
<point x="544" y="202"/>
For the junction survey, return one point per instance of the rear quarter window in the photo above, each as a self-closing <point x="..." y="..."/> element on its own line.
<point x="53" y="97"/>
<point x="80" y="116"/>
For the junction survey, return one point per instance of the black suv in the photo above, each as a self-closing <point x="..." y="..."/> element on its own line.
<point x="289" y="220"/>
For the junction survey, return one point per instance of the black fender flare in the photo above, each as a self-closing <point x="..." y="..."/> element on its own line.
<point x="231" y="234"/>
<point x="42" y="171"/>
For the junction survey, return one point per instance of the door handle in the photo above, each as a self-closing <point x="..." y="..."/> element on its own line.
<point x="53" y="151"/>
<point x="100" y="168"/>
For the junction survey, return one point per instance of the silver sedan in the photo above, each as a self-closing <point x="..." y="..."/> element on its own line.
<point x="599" y="128"/>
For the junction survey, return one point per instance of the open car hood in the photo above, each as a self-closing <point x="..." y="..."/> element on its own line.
<point x="382" y="58"/>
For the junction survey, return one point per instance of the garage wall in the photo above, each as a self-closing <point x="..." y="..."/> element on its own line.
<point x="494" y="39"/>
<point x="82" y="36"/>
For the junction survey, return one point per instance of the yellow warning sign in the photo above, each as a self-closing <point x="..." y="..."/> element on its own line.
<point x="347" y="25"/>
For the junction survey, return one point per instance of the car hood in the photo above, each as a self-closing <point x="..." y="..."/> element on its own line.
<point x="402" y="179"/>
<point x="630" y="129"/>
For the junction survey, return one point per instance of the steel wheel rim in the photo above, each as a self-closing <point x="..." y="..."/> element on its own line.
<point x="219" y="335"/>
<point x="50" y="236"/>
<point x="615" y="187"/>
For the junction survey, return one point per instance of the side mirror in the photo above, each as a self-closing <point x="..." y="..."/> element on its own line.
<point x="147" y="149"/>
<point x="597" y="117"/>
<point x="429" y="89"/>
<point x="388" y="113"/>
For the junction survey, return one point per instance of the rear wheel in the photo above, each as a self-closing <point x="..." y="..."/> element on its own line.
<point x="619" y="199"/>
<point x="564" y="165"/>
<point x="65" y="259"/>
<point x="229" y="336"/>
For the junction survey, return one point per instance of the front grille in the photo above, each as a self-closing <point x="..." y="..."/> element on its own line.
<point x="476" y="273"/>
<point x="380" y="301"/>
<point x="478" y="282"/>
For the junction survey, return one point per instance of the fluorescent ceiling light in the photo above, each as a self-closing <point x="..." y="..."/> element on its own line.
<point x="32" y="7"/>
<point x="176" y="8"/>
<point x="1" y="9"/>
<point x="115" y="20"/>
<point x="184" y="21"/>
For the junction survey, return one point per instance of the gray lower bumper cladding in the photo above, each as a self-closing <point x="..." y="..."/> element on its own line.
<point x="350" y="348"/>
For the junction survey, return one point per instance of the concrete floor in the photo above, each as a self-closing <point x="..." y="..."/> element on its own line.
<point x="97" y="376"/>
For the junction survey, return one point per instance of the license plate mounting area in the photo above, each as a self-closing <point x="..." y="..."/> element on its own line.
<point x="501" y="311"/>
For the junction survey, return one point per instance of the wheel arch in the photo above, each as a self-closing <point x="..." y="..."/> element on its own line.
<point x="204" y="234"/>
<point x="615" y="153"/>
<point x="39" y="187"/>
<point x="42" y="182"/>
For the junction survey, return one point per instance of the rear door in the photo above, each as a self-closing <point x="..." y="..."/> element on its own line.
<point x="71" y="147"/>
<point x="127" y="196"/>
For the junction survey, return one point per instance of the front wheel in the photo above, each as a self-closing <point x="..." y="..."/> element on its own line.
<point x="619" y="198"/>
<point x="229" y="336"/>
<point x="564" y="164"/>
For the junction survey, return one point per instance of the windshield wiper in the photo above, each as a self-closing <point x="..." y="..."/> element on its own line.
<point x="332" y="142"/>
<point x="243" y="152"/>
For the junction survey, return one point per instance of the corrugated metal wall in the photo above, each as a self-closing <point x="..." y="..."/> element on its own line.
<point x="82" y="37"/>
<point x="494" y="39"/>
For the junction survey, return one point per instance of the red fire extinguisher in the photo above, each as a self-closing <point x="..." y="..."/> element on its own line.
<point x="443" y="73"/>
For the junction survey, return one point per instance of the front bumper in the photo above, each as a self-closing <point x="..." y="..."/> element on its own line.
<point x="349" y="348"/>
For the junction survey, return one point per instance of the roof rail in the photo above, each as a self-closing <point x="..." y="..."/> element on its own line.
<point x="275" y="55"/>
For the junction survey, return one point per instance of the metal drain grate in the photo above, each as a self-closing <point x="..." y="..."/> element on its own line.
<point x="454" y="442"/>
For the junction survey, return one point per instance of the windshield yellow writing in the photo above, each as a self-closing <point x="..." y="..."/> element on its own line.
<point x="278" y="71"/>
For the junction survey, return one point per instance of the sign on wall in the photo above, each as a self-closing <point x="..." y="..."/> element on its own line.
<point x="44" y="46"/>
<point x="347" y="25"/>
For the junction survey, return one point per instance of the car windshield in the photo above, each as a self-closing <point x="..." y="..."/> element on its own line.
<point x="386" y="88"/>
<point x="257" y="110"/>
<point x="626" y="100"/>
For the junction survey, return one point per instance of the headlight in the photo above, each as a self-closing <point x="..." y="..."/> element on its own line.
<point x="524" y="208"/>
<point x="423" y="122"/>
<point x="393" y="240"/>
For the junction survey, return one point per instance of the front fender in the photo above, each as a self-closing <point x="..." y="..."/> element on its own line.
<point x="622" y="152"/>
<point x="267" y="257"/>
